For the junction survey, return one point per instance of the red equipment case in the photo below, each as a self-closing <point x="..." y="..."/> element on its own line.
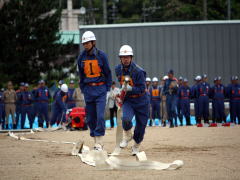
<point x="77" y="117"/>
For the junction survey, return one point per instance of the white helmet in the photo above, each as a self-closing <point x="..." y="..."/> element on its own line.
<point x="155" y="79"/>
<point x="64" y="88"/>
<point x="88" y="36"/>
<point x="148" y="79"/>
<point x="126" y="50"/>
<point x="165" y="78"/>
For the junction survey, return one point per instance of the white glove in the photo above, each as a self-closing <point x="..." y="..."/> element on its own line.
<point x="129" y="88"/>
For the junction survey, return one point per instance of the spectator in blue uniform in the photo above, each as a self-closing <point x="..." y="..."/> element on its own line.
<point x="202" y="93"/>
<point x="136" y="102"/>
<point x="179" y="110"/>
<point x="26" y="98"/>
<point x="155" y="93"/>
<point x="218" y="92"/>
<point x="1" y="110"/>
<point x="170" y="91"/>
<point x="148" y="82"/>
<point x="197" y="80"/>
<point x="228" y="89"/>
<point x="95" y="81"/>
<point x="234" y="95"/>
<point x="184" y="96"/>
<point x="19" y="104"/>
<point x="70" y="100"/>
<point x="43" y="96"/>
<point x="59" y="106"/>
<point x="60" y="83"/>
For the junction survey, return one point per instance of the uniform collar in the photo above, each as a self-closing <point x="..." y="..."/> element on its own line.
<point x="94" y="52"/>
<point x="129" y="68"/>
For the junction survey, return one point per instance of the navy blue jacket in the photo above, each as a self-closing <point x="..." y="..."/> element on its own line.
<point x="137" y="74"/>
<point x="94" y="68"/>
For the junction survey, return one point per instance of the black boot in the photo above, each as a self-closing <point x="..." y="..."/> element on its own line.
<point x="181" y="121"/>
<point x="150" y="122"/>
<point x="14" y="126"/>
<point x="176" y="124"/>
<point x="6" y="126"/>
<point x="188" y="121"/>
<point x="171" y="124"/>
<point x="40" y="125"/>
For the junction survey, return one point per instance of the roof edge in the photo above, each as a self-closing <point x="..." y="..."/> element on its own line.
<point x="158" y="24"/>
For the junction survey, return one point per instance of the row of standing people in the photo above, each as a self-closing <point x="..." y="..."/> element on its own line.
<point x="34" y="103"/>
<point x="174" y="96"/>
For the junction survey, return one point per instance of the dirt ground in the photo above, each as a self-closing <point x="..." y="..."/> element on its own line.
<point x="208" y="153"/>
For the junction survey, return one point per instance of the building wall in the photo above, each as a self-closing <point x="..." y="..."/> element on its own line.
<point x="189" y="48"/>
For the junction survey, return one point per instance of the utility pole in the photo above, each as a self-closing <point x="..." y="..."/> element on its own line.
<point x="104" y="11"/>
<point x="205" y="9"/>
<point x="229" y="9"/>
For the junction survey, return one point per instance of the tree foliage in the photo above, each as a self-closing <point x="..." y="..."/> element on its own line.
<point x="29" y="40"/>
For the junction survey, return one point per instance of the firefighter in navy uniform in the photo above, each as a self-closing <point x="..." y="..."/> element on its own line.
<point x="148" y="86"/>
<point x="1" y="110"/>
<point x="136" y="102"/>
<point x="179" y="110"/>
<point x="59" y="106"/>
<point x="95" y="82"/>
<point x="217" y="93"/>
<point x="234" y="95"/>
<point x="27" y="98"/>
<point x="42" y="97"/>
<point x="184" y="96"/>
<point x="170" y="91"/>
<point x="70" y="100"/>
<point x="155" y="100"/>
<point x="19" y="104"/>
<point x="228" y="89"/>
<point x="202" y="93"/>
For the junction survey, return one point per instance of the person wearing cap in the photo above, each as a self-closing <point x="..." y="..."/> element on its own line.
<point x="217" y="93"/>
<point x="10" y="98"/>
<point x="60" y="106"/>
<point x="234" y="96"/>
<point x="60" y="82"/>
<point x="202" y="93"/>
<point x="26" y="98"/>
<point x="95" y="82"/>
<point x="136" y="102"/>
<point x="184" y="96"/>
<point x="19" y="103"/>
<point x="111" y="101"/>
<point x="228" y="95"/>
<point x="42" y="97"/>
<point x="179" y="110"/>
<point x="148" y="82"/>
<point x="163" y="111"/>
<point x="70" y="100"/>
<point x="35" y="111"/>
<point x="1" y="110"/>
<point x="197" y="80"/>
<point x="155" y="94"/>
<point x="170" y="91"/>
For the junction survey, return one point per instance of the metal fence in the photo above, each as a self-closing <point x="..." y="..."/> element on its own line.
<point x="189" y="48"/>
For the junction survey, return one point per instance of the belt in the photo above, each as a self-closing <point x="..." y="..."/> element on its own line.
<point x="237" y="98"/>
<point x="70" y="102"/>
<point x="43" y="101"/>
<point x="184" y="98"/>
<point x="156" y="99"/>
<point x="96" y="84"/>
<point x="203" y="95"/>
<point x="26" y="104"/>
<point x="136" y="95"/>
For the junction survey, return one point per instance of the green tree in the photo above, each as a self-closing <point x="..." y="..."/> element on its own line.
<point x="29" y="40"/>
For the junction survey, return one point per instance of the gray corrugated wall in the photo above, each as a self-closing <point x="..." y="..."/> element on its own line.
<point x="189" y="50"/>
